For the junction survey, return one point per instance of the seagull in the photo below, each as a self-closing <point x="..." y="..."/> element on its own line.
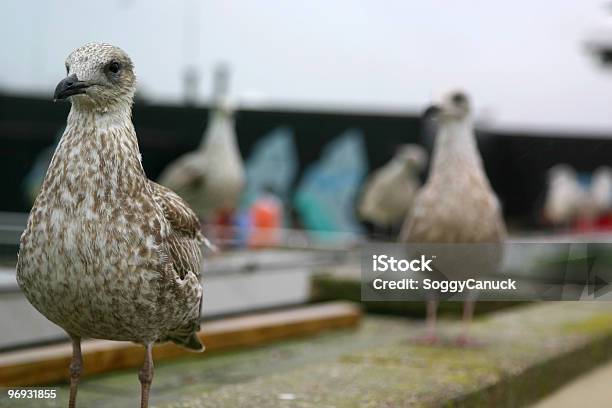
<point x="456" y="205"/>
<point x="389" y="192"/>
<point x="565" y="196"/>
<point x="211" y="178"/>
<point x="601" y="190"/>
<point x="107" y="253"/>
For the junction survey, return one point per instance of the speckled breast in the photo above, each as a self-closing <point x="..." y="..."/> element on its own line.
<point x="91" y="276"/>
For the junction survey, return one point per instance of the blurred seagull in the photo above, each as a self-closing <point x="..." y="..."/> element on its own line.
<point x="601" y="190"/>
<point x="34" y="179"/>
<point x="107" y="253"/>
<point x="389" y="192"/>
<point x="565" y="198"/>
<point x="211" y="178"/>
<point x="457" y="204"/>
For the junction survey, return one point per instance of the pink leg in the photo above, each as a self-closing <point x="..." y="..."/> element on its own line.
<point x="146" y="376"/>
<point x="468" y="314"/>
<point x="76" y="366"/>
<point x="431" y="336"/>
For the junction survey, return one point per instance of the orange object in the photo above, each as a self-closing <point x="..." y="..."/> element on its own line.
<point x="266" y="216"/>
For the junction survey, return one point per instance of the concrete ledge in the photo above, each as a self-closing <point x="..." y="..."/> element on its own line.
<point x="526" y="353"/>
<point x="541" y="379"/>
<point x="50" y="363"/>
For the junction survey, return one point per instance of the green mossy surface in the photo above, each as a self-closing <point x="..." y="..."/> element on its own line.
<point x="522" y="354"/>
<point x="197" y="373"/>
<point x="596" y="325"/>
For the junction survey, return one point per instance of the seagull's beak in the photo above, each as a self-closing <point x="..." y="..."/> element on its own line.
<point x="69" y="86"/>
<point x="431" y="112"/>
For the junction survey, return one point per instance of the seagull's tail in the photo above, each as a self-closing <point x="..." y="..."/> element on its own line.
<point x="212" y="247"/>
<point x="187" y="337"/>
<point x="191" y="342"/>
<point x="207" y="244"/>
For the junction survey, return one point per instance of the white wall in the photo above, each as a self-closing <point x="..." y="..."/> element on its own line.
<point x="523" y="61"/>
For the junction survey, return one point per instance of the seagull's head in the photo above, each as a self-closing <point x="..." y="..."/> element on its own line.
<point x="561" y="172"/>
<point x="98" y="75"/>
<point x="453" y="105"/>
<point x="412" y="155"/>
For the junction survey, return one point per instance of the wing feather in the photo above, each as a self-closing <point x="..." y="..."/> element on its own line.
<point x="183" y="244"/>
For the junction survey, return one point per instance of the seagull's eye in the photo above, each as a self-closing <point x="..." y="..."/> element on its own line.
<point x="459" y="98"/>
<point x="114" y="67"/>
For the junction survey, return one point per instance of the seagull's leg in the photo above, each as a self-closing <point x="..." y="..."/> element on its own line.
<point x="431" y="336"/>
<point x="464" y="339"/>
<point x="76" y="366"/>
<point x="146" y="376"/>
<point x="468" y="313"/>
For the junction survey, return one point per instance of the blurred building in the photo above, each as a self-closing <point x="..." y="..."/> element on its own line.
<point x="516" y="161"/>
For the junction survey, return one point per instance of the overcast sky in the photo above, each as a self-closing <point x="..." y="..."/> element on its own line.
<point x="523" y="61"/>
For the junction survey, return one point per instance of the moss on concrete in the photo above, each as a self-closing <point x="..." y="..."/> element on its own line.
<point x="200" y="373"/>
<point x="596" y="325"/>
<point x="524" y="353"/>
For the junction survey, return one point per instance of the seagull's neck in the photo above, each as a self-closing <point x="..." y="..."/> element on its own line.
<point x="219" y="132"/>
<point x="100" y="118"/>
<point x="99" y="154"/>
<point x="408" y="167"/>
<point x="455" y="145"/>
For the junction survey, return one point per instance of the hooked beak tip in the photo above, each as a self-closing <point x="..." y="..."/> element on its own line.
<point x="431" y="112"/>
<point x="69" y="86"/>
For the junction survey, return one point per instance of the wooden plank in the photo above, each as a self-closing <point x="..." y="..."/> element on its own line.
<point x="49" y="364"/>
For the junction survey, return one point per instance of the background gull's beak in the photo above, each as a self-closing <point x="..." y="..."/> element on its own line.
<point x="69" y="86"/>
<point x="431" y="112"/>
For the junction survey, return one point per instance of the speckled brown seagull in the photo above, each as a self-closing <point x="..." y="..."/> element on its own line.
<point x="389" y="192"/>
<point x="107" y="253"/>
<point x="457" y="204"/>
<point x="211" y="178"/>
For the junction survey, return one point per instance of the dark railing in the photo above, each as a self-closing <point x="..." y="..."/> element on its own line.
<point x="516" y="161"/>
